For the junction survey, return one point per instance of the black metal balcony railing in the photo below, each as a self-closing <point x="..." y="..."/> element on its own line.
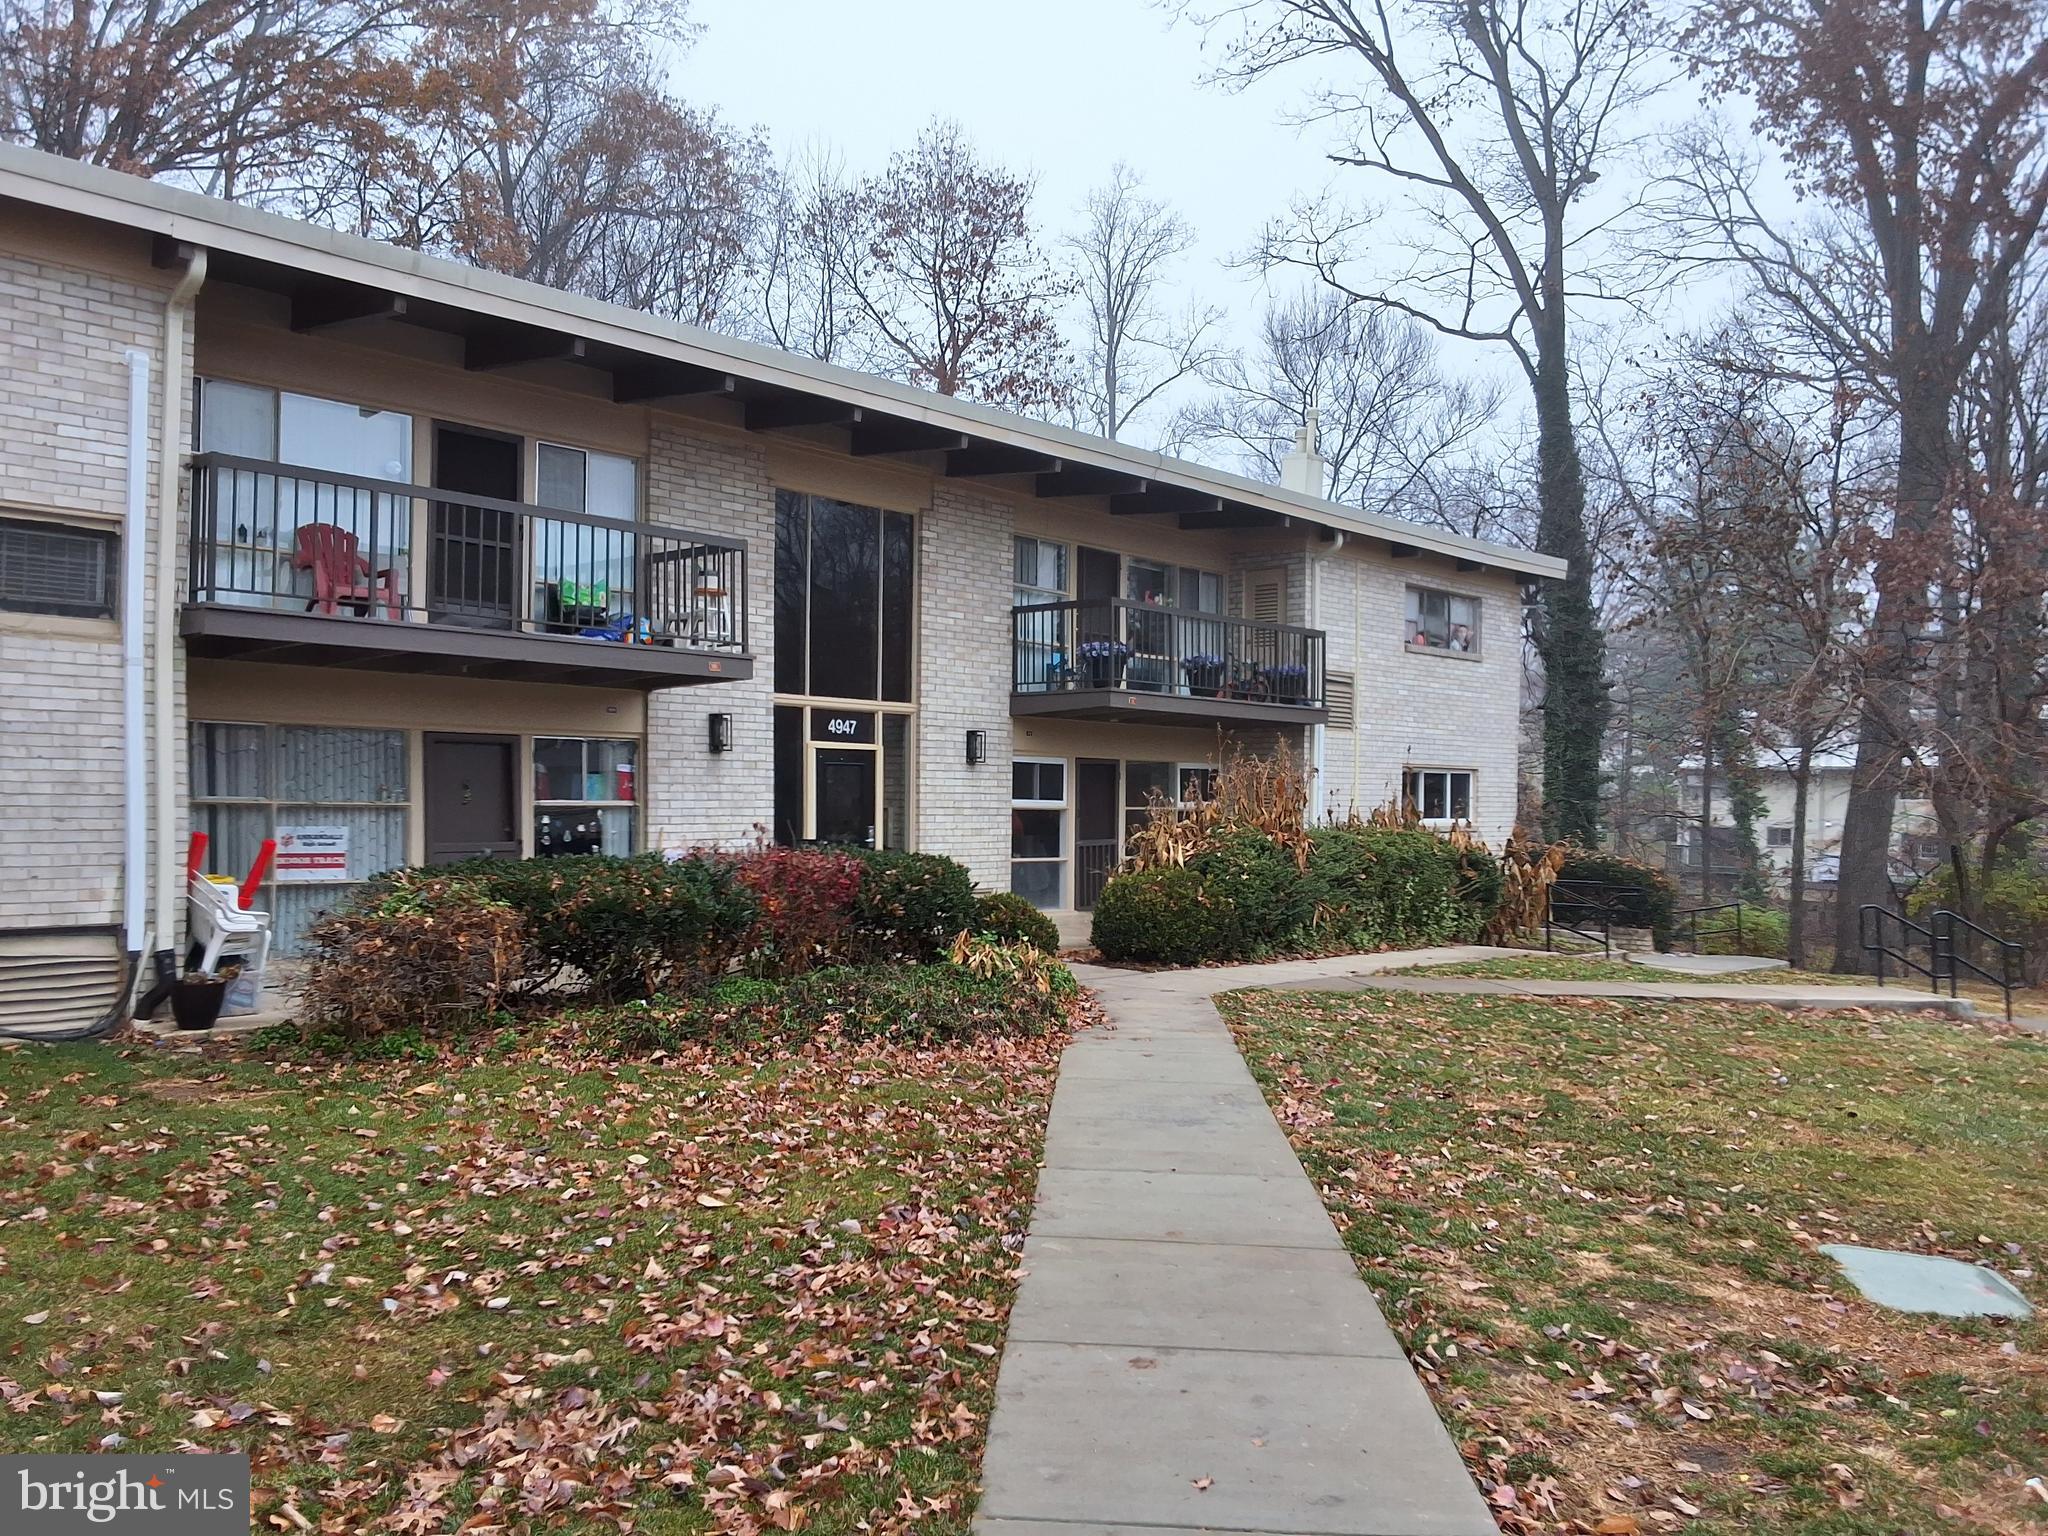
<point x="1142" y="648"/>
<point x="313" y="541"/>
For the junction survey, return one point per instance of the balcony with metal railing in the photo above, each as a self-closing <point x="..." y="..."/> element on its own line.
<point x="300" y="565"/>
<point x="1108" y="659"/>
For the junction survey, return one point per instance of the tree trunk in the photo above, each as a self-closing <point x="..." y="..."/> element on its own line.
<point x="1901" y="607"/>
<point x="1706" y="819"/>
<point x="1568" y="639"/>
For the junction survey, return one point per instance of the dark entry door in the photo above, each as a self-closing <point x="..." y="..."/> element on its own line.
<point x="473" y="567"/>
<point x="1095" y="586"/>
<point x="472" y="797"/>
<point x="1097" y="843"/>
<point x="845" y="784"/>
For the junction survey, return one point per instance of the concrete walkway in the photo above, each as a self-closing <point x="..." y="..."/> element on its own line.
<point x="1192" y="1348"/>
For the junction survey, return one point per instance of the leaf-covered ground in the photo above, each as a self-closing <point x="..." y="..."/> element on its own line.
<point x="1586" y="968"/>
<point x="1595" y="1226"/>
<point x="528" y="1289"/>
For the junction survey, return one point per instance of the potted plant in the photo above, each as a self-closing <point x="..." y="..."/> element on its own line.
<point x="1103" y="661"/>
<point x="1287" y="682"/>
<point x="1204" y="673"/>
<point x="196" y="997"/>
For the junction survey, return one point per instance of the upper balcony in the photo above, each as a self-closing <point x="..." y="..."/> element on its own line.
<point x="1104" y="659"/>
<point x="308" y="566"/>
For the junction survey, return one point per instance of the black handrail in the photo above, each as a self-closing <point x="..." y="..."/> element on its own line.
<point x="1592" y="909"/>
<point x="1696" y="913"/>
<point x="1945" y="961"/>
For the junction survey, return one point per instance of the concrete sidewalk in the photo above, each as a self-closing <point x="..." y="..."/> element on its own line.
<point x="1192" y="1348"/>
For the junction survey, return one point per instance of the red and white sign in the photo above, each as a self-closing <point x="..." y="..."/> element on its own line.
<point x="312" y="853"/>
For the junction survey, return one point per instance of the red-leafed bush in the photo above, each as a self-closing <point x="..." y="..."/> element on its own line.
<point x="806" y="902"/>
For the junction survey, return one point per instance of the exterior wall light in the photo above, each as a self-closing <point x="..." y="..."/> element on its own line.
<point x="721" y="733"/>
<point x="977" y="747"/>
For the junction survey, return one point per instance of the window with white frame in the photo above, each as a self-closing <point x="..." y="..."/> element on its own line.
<point x="336" y="800"/>
<point x="1778" y="837"/>
<point x="583" y="575"/>
<point x="1443" y="621"/>
<point x="585" y="795"/>
<point x="1038" y="830"/>
<point x="1439" y="795"/>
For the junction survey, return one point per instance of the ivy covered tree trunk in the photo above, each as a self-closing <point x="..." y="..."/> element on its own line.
<point x="1568" y="637"/>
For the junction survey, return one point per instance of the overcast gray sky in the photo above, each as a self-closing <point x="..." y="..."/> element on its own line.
<point x="1064" y="88"/>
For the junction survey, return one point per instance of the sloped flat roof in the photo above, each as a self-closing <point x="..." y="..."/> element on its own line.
<point x="506" y="320"/>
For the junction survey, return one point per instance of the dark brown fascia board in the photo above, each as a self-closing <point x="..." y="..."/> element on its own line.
<point x="508" y="348"/>
<point x="1156" y="499"/>
<point x="884" y="436"/>
<point x="999" y="459"/>
<point x="633" y="384"/>
<point x="777" y="413"/>
<point x="325" y="307"/>
<point x="1234" y="516"/>
<point x="1088" y="480"/>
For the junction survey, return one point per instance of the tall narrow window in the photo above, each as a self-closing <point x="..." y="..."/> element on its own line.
<point x="845" y="581"/>
<point x="1038" y="830"/>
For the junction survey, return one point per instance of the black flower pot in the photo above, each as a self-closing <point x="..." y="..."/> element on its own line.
<point x="196" y="1001"/>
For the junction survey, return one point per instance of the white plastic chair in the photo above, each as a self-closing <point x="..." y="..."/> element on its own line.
<point x="219" y="924"/>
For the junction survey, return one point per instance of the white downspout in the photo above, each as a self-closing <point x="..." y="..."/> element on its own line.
<point x="134" y="615"/>
<point x="170" y="863"/>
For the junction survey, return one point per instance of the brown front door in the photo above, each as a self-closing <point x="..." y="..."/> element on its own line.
<point x="472" y="798"/>
<point x="1098" y="844"/>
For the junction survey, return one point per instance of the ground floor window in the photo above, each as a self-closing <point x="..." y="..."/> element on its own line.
<point x="1038" y="830"/>
<point x="1440" y="794"/>
<point x="842" y="776"/>
<point x="337" y="800"/>
<point x="585" y="792"/>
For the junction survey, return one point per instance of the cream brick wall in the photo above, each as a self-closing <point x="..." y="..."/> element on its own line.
<point x="715" y="483"/>
<point x="965" y="572"/>
<point x="1420" y="710"/>
<point x="64" y="333"/>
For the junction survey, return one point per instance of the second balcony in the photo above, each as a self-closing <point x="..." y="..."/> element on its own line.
<point x="1103" y="659"/>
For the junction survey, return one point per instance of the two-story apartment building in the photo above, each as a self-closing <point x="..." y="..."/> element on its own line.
<point x="395" y="560"/>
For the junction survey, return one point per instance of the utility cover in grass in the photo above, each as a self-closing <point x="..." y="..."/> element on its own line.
<point x="1918" y="1282"/>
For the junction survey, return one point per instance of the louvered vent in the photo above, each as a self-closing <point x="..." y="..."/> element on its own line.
<point x="1340" y="694"/>
<point x="49" y="568"/>
<point x="59" y="981"/>
<point x="1266" y="597"/>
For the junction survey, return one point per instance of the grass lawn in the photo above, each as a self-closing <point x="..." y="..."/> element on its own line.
<point x="1595" y="1227"/>
<point x="529" y="1287"/>
<point x="1592" y="968"/>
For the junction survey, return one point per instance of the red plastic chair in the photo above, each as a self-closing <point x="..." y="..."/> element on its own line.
<point x="330" y="553"/>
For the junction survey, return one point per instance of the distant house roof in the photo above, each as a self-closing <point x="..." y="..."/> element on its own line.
<point x="649" y="358"/>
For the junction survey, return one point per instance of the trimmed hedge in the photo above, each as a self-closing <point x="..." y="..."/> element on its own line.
<point x="1166" y="917"/>
<point x="1396" y="886"/>
<point x="1007" y="916"/>
<point x="1636" y="895"/>
<point x="1259" y="881"/>
<point x="910" y="906"/>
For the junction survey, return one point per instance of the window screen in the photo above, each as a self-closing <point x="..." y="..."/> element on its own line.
<point x="52" y="568"/>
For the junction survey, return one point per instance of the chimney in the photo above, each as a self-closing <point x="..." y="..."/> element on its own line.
<point x="1302" y="469"/>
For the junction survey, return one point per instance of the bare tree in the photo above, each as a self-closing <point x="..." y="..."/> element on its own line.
<point x="947" y="272"/>
<point x="1396" y="433"/>
<point x="806" y="248"/>
<point x="1922" y="131"/>
<point x="1496" y="118"/>
<point x="1118" y="261"/>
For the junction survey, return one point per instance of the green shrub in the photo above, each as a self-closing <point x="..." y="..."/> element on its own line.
<point x="630" y="926"/>
<point x="1258" y="880"/>
<point x="1386" y="886"/>
<point x="1164" y="916"/>
<point x="1763" y="932"/>
<point x="1634" y="894"/>
<point x="1007" y="916"/>
<point x="910" y="906"/>
<point x="1481" y="886"/>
